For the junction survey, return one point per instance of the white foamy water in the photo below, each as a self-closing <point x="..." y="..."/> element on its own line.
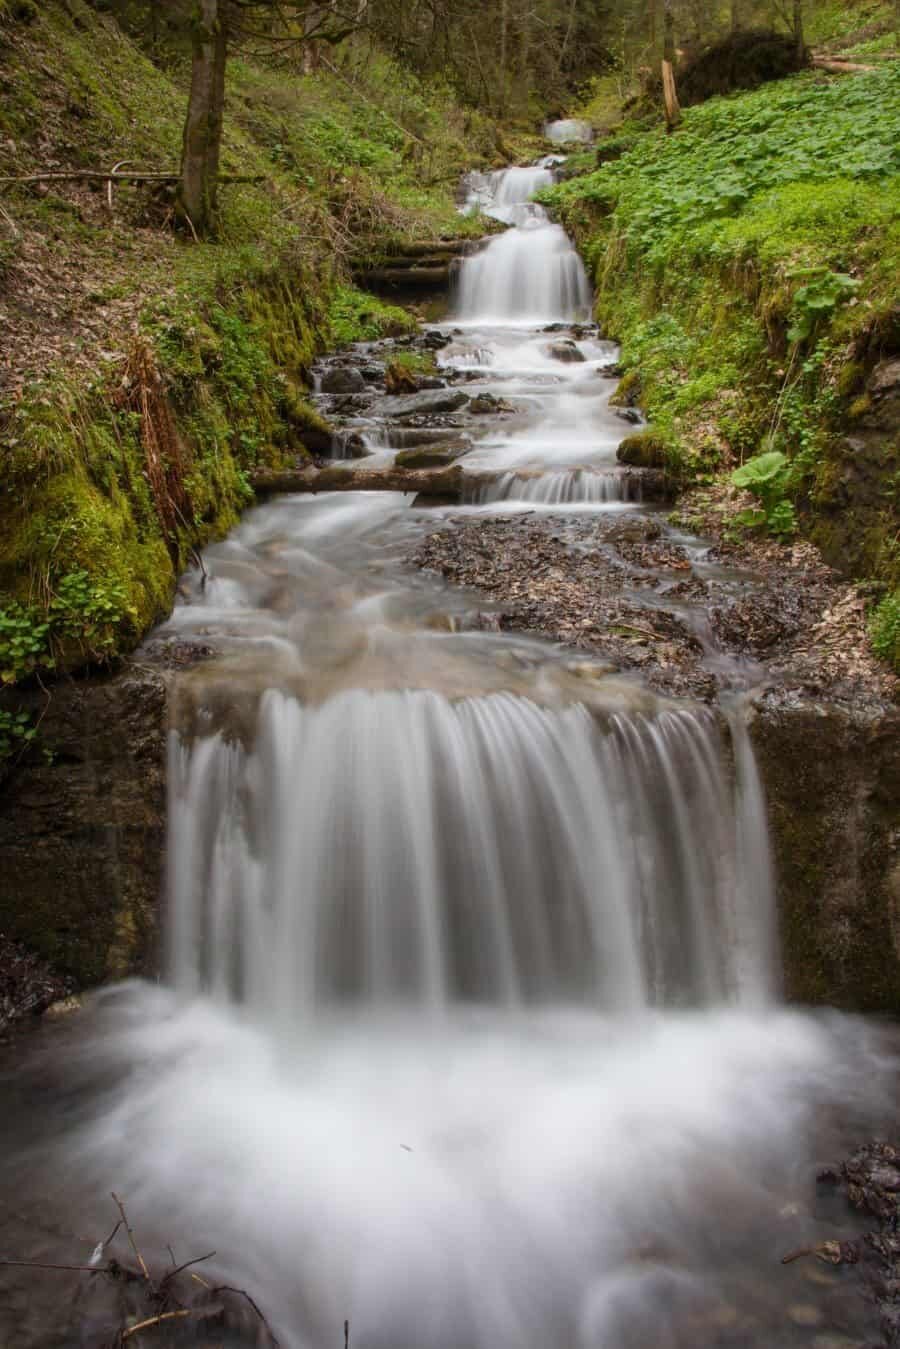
<point x="562" y="489"/>
<point x="532" y="273"/>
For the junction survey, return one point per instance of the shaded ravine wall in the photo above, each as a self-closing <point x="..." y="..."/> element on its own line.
<point x="82" y="837"/>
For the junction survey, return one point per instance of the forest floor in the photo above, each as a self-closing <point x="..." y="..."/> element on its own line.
<point x="691" y="617"/>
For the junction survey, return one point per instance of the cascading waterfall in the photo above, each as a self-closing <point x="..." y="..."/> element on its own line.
<point x="397" y="846"/>
<point x="579" y="486"/>
<point x="471" y="1036"/>
<point x="530" y="274"/>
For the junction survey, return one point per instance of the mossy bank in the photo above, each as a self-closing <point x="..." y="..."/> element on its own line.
<point x="146" y="375"/>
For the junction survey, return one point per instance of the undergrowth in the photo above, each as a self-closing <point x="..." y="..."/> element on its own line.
<point x="748" y="264"/>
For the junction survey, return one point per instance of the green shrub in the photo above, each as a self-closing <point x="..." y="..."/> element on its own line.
<point x="884" y="629"/>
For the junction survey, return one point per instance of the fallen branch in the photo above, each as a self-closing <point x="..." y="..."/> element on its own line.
<point x="103" y="176"/>
<point x="837" y="67"/>
<point x="154" y="1321"/>
<point x="140" y="1259"/>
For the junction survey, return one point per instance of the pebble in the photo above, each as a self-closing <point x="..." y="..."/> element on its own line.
<point x="804" y="1314"/>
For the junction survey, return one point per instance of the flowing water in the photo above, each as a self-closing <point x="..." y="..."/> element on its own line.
<point x="470" y="1031"/>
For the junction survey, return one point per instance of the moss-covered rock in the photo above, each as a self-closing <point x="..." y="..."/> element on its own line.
<point x="644" y="449"/>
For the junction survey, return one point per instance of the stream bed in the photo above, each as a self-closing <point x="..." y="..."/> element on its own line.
<point x="471" y="1032"/>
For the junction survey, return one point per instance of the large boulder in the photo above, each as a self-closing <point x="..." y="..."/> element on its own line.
<point x="428" y="403"/>
<point x="565" y="351"/>
<point x="343" y="379"/>
<point x="433" y="456"/>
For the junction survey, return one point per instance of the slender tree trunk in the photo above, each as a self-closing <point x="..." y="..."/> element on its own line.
<point x="670" y="93"/>
<point x="504" y="44"/>
<point x="798" y="30"/>
<point x="198" y="189"/>
<point x="735" y="15"/>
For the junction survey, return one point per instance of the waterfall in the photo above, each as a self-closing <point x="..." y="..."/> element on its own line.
<point x="580" y="486"/>
<point x="530" y="274"/>
<point x="399" y="847"/>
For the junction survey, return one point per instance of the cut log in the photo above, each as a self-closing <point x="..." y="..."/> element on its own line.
<point x="838" y="67"/>
<point x="413" y="277"/>
<point x="453" y="483"/>
<point x="359" y="478"/>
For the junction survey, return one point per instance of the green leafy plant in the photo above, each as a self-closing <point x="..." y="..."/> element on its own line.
<point x="817" y="300"/>
<point x="24" y="643"/>
<point x="17" y="731"/>
<point x="88" y="611"/>
<point x="765" y="476"/>
<point x="884" y="629"/>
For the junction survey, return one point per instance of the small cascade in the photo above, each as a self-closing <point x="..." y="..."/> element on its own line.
<point x="562" y="489"/>
<point x="569" y="130"/>
<point x="398" y="846"/>
<point x="530" y="274"/>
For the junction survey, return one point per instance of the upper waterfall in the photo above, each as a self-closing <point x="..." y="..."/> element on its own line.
<point x="530" y="274"/>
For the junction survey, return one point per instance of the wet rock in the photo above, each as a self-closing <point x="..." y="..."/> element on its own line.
<point x="433" y="456"/>
<point x="831" y="774"/>
<point x="427" y="403"/>
<point x="485" y="404"/>
<point x="373" y="374"/>
<point x="633" y="417"/>
<point x="82" y="827"/>
<point x="805" y="1314"/>
<point x="565" y="351"/>
<point x="345" y="404"/>
<point x="435" y="341"/>
<point x="343" y="379"/>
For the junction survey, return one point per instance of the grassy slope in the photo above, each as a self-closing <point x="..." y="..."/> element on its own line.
<point x="715" y="253"/>
<point x="142" y="376"/>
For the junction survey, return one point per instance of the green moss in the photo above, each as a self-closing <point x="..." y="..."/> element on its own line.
<point x="884" y="629"/>
<point x="356" y="316"/>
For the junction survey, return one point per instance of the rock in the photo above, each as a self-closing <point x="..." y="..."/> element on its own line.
<point x="373" y="374"/>
<point x="485" y="404"/>
<point x="565" y="351"/>
<point x="82" y="830"/>
<point x="642" y="450"/>
<point x="884" y="380"/>
<point x="343" y="379"/>
<point x="804" y="1314"/>
<point x="350" y="402"/>
<point x="433" y="456"/>
<point x="630" y="415"/>
<point x="425" y="404"/>
<point x="436" y="341"/>
<point x="831" y="776"/>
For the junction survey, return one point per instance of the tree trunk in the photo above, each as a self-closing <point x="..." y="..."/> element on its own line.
<point x="798" y="30"/>
<point x="670" y="93"/>
<point x="735" y="15"/>
<point x="198" y="188"/>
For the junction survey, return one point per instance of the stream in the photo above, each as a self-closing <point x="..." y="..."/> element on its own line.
<point x="470" y="1032"/>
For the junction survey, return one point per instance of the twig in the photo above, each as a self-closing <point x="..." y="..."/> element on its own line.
<point x="796" y="1255"/>
<point x="346" y="1335"/>
<point x="101" y="176"/>
<point x="154" y="1321"/>
<point x="40" y="1264"/>
<point x="241" y="1292"/>
<point x="187" y="1264"/>
<point x="140" y="1259"/>
<point x="632" y="627"/>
